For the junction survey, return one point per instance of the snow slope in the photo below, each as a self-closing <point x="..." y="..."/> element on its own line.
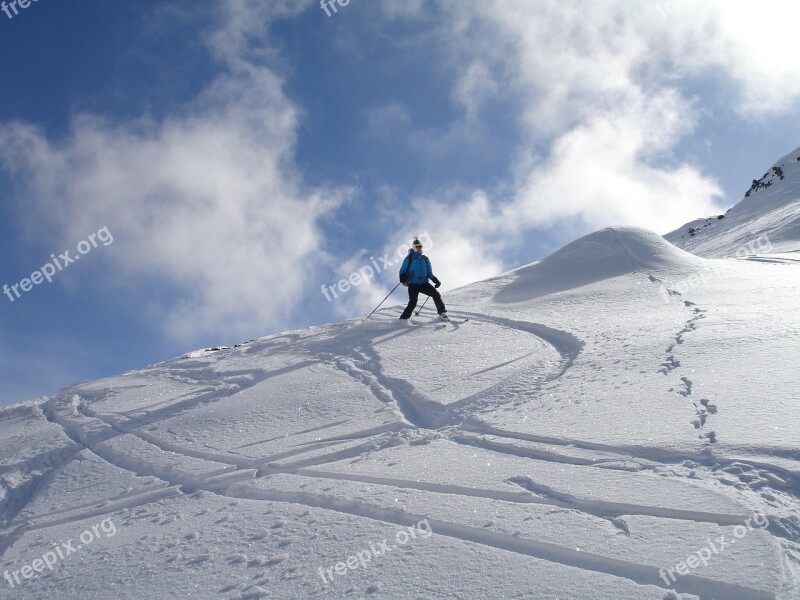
<point x="767" y="220"/>
<point x="618" y="410"/>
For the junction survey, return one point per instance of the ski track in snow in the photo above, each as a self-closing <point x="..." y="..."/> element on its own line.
<point x="228" y="472"/>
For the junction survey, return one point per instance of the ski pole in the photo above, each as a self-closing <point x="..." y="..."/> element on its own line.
<point x="423" y="305"/>
<point x="382" y="301"/>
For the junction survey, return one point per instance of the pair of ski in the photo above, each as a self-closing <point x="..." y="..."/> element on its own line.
<point x="443" y="324"/>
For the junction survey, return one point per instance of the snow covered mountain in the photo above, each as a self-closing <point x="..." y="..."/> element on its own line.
<point x="617" y="421"/>
<point x="767" y="220"/>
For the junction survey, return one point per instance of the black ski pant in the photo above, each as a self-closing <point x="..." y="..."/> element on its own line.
<point x="414" y="290"/>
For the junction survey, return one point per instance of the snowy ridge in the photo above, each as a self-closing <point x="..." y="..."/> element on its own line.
<point x="770" y="208"/>
<point x="587" y="430"/>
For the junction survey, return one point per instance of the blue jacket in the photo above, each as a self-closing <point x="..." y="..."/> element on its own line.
<point x="420" y="268"/>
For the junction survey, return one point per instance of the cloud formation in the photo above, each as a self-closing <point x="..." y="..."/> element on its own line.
<point x="206" y="204"/>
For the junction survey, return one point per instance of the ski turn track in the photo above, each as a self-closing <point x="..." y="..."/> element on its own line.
<point x="641" y="574"/>
<point x="229" y="474"/>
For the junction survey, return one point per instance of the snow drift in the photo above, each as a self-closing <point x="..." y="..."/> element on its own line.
<point x="607" y="253"/>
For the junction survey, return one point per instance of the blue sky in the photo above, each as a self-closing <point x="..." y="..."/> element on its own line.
<point x="243" y="154"/>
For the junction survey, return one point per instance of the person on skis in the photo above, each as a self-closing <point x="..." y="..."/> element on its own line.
<point x="414" y="274"/>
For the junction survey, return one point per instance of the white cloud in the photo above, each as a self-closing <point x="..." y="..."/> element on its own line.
<point x="206" y="203"/>
<point x="751" y="43"/>
<point x="607" y="171"/>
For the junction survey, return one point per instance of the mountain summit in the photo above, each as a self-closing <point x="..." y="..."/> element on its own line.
<point x="770" y="209"/>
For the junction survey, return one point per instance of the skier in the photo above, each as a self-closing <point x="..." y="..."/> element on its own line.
<point x="415" y="273"/>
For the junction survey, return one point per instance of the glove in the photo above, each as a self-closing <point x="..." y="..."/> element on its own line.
<point x="403" y="277"/>
<point x="436" y="283"/>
